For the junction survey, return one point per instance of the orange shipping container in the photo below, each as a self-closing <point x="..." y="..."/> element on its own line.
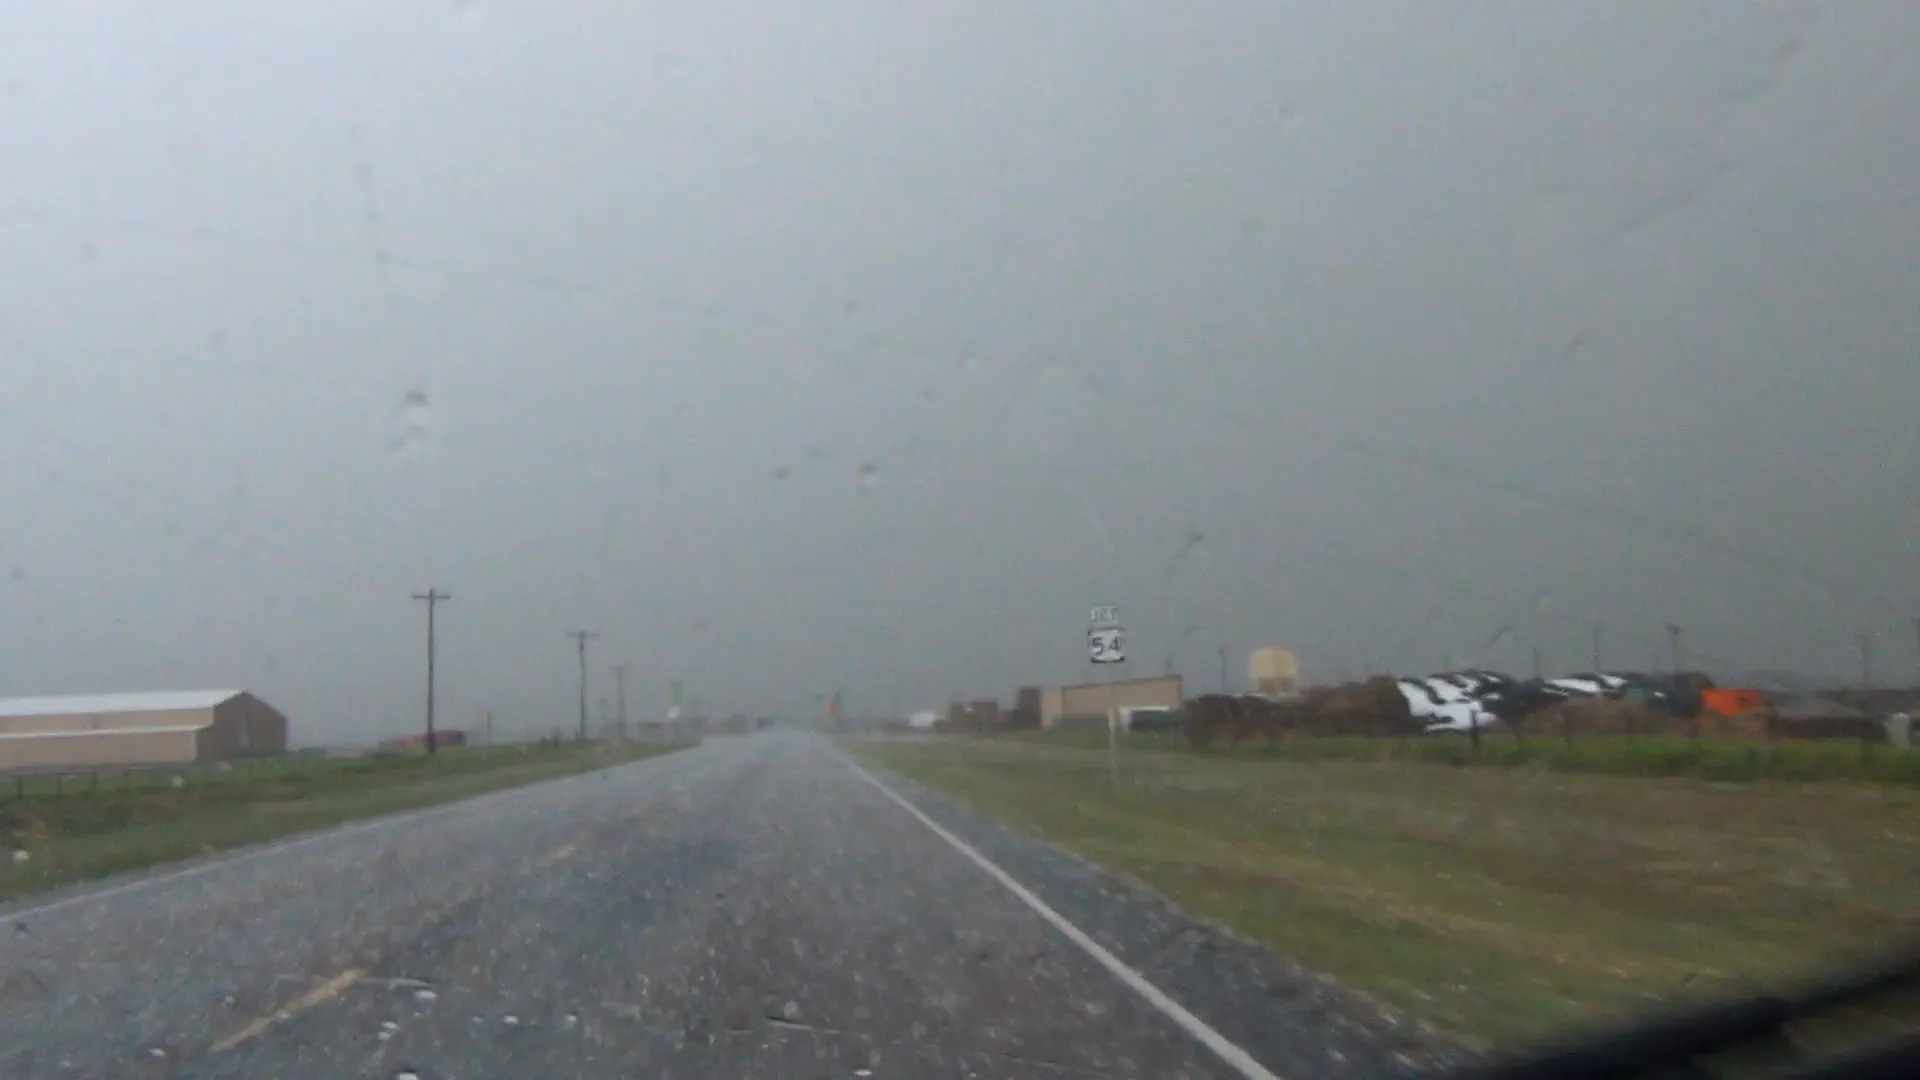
<point x="1725" y="701"/>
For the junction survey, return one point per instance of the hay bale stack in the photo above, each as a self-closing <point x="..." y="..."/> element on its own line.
<point x="1685" y="692"/>
<point x="1261" y="718"/>
<point x="1211" y="718"/>
<point x="1858" y="728"/>
<point x="1749" y="725"/>
<point x="1581" y="717"/>
<point x="1374" y="708"/>
<point x="983" y="714"/>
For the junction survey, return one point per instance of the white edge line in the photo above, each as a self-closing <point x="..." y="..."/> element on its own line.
<point x="1224" y="1049"/>
<point x="234" y="856"/>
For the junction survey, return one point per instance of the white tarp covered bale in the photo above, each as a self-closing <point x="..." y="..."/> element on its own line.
<point x="1459" y="701"/>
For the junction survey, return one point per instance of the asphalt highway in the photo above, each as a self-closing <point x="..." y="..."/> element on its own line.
<point x="754" y="907"/>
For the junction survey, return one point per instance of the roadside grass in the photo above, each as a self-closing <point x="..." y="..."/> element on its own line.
<point x="1502" y="906"/>
<point x="84" y="832"/>
<point x="1736" y="761"/>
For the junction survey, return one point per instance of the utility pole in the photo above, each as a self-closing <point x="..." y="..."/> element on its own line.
<point x="1596" y="649"/>
<point x="1866" y="661"/>
<point x="1673" y="646"/>
<point x="620" y="696"/>
<point x="432" y="598"/>
<point x="580" y="639"/>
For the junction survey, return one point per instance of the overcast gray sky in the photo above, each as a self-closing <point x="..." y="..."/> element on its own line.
<point x="870" y="343"/>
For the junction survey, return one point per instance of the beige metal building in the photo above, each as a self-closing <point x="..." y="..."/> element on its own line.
<point x="111" y="731"/>
<point x="1088" y="704"/>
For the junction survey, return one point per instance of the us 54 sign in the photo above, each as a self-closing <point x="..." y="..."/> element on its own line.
<point x="1106" y="645"/>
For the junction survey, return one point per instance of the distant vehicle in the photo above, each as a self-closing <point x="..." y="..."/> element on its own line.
<point x="1151" y="718"/>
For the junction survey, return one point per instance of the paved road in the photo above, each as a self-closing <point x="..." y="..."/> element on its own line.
<point x="749" y="908"/>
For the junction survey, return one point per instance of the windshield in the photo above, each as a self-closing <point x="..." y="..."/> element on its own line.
<point x="1051" y="539"/>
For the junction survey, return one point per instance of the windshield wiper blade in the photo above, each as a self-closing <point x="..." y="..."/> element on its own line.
<point x="1671" y="1048"/>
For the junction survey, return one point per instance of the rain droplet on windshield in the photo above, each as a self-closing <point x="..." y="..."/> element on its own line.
<point x="1184" y="560"/>
<point x="415" y="423"/>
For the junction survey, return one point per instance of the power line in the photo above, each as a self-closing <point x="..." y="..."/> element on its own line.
<point x="432" y="598"/>
<point x="580" y="639"/>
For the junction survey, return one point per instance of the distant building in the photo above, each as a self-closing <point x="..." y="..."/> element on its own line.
<point x="443" y="737"/>
<point x="1090" y="704"/>
<point x="1026" y="708"/>
<point x="113" y="731"/>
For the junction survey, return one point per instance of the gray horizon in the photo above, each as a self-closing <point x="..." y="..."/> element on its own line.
<point x="868" y="347"/>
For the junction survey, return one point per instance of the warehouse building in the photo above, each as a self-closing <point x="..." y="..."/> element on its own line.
<point x="119" y="731"/>
<point x="1088" y="704"/>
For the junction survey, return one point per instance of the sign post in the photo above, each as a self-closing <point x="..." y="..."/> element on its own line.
<point x="1106" y="644"/>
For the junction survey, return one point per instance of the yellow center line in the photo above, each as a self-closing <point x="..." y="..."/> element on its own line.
<point x="325" y="992"/>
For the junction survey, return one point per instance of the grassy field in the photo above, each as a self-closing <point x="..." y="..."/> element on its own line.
<point x="85" y="829"/>
<point x="1500" y="905"/>
<point x="1737" y="761"/>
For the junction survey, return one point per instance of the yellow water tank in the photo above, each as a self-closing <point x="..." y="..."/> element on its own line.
<point x="1274" y="672"/>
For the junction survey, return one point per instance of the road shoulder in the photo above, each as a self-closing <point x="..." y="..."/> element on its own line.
<point x="1293" y="1021"/>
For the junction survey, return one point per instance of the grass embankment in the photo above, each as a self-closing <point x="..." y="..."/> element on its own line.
<point x="1502" y="905"/>
<point x="1735" y="761"/>
<point x="88" y="829"/>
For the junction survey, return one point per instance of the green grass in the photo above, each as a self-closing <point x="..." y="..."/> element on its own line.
<point x="79" y="832"/>
<point x="1499" y="904"/>
<point x="1736" y="761"/>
